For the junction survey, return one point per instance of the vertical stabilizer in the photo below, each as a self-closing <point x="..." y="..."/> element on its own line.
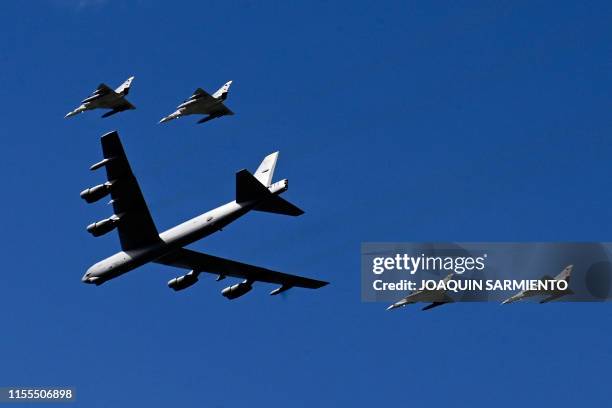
<point x="256" y="187"/>
<point x="223" y="91"/>
<point x="265" y="171"/>
<point x="565" y="273"/>
<point x="124" y="88"/>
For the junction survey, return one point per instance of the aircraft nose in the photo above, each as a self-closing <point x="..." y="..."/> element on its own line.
<point x="90" y="276"/>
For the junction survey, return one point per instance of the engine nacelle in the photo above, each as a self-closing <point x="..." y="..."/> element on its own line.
<point x="183" y="282"/>
<point x="93" y="194"/>
<point x="103" y="227"/>
<point x="237" y="290"/>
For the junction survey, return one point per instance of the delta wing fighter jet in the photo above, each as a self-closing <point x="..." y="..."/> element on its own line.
<point x="105" y="98"/>
<point x="437" y="297"/>
<point x="141" y="243"/>
<point x="551" y="294"/>
<point x="201" y="102"/>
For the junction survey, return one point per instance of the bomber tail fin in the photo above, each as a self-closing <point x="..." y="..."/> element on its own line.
<point x="265" y="171"/>
<point x="124" y="88"/>
<point x="259" y="187"/>
<point x="248" y="188"/>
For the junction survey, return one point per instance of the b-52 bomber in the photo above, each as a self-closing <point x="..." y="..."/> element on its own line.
<point x="141" y="243"/>
<point x="201" y="102"/>
<point x="105" y="98"/>
<point x="551" y="294"/>
<point x="437" y="297"/>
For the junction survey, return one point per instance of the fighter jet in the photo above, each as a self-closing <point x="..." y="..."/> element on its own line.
<point x="105" y="98"/>
<point x="203" y="103"/>
<point x="141" y="243"/>
<point x="551" y="294"/>
<point x="437" y="297"/>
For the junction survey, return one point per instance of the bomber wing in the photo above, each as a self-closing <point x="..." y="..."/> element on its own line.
<point x="135" y="225"/>
<point x="200" y="262"/>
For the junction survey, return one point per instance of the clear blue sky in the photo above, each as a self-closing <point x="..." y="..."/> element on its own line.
<point x="408" y="121"/>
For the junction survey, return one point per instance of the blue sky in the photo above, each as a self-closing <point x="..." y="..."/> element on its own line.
<point x="402" y="121"/>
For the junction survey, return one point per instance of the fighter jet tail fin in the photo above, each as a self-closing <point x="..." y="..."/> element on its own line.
<point x="566" y="273"/>
<point x="124" y="88"/>
<point x="223" y="91"/>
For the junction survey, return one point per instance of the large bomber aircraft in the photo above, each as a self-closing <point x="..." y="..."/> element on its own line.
<point x="105" y="98"/>
<point x="435" y="296"/>
<point x="141" y="243"/>
<point x="201" y="102"/>
<point x="551" y="295"/>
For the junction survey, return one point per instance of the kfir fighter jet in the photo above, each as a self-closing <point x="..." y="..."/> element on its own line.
<point x="105" y="98"/>
<point x="141" y="243"/>
<point x="551" y="294"/>
<point x="201" y="102"/>
<point x="436" y="297"/>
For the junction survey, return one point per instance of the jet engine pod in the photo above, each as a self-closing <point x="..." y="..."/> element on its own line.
<point x="93" y="194"/>
<point x="237" y="290"/>
<point x="102" y="227"/>
<point x="183" y="282"/>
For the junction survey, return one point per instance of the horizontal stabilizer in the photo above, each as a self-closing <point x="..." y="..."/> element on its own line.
<point x="278" y="205"/>
<point x="248" y="188"/>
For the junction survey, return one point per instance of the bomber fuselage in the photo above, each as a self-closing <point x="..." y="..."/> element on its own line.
<point x="174" y="238"/>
